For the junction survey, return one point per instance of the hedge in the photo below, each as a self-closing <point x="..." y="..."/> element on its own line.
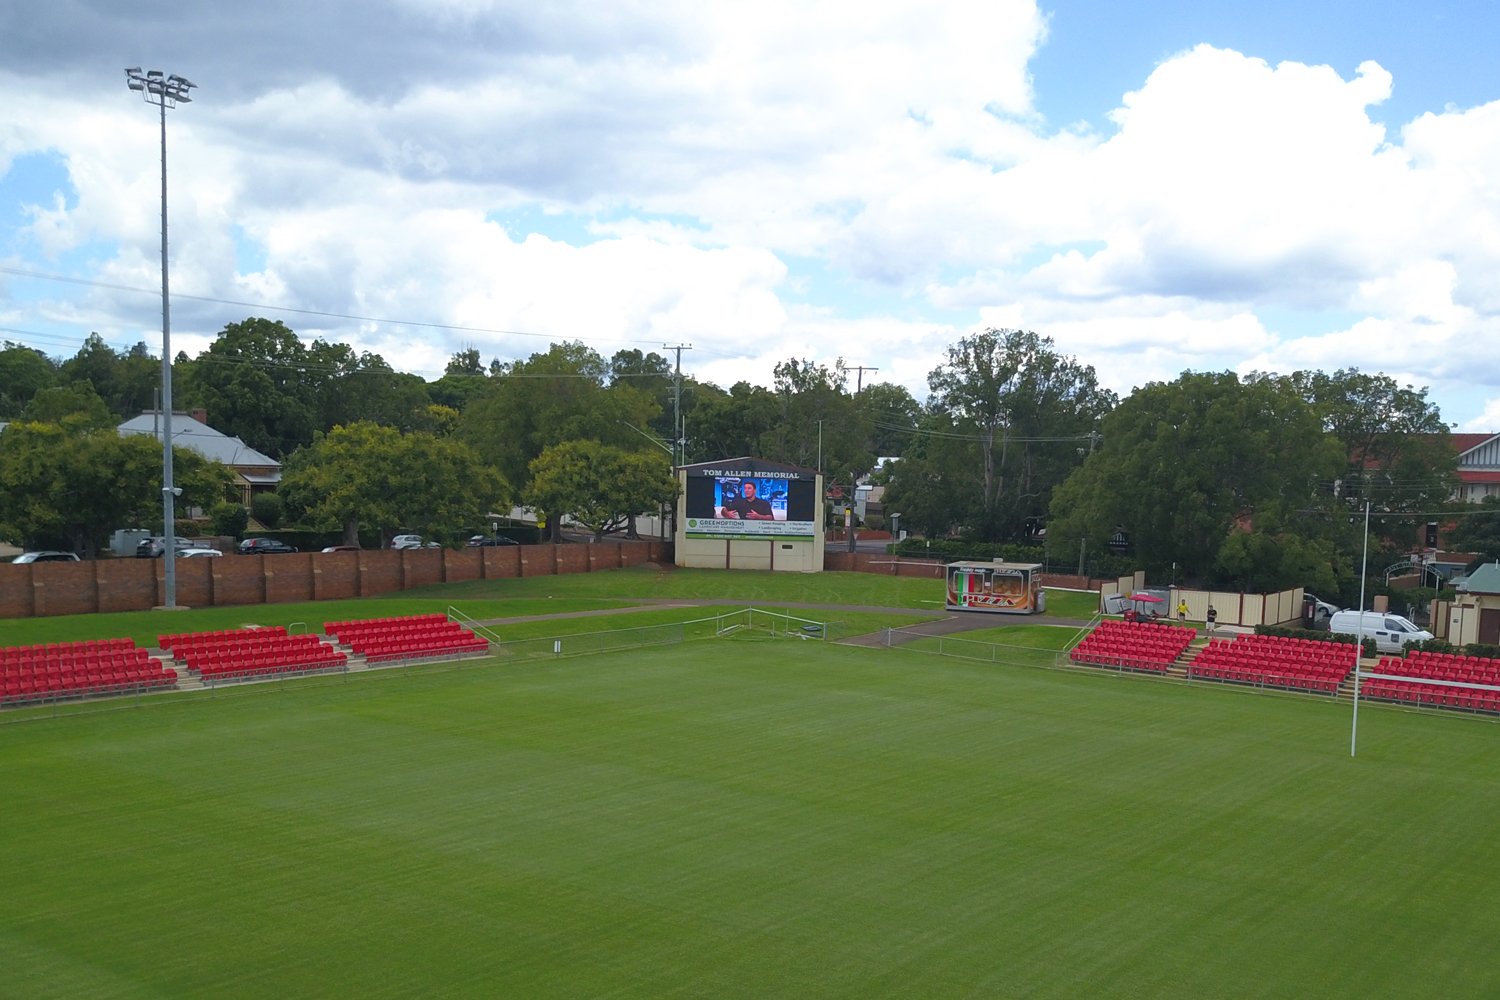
<point x="951" y="549"/>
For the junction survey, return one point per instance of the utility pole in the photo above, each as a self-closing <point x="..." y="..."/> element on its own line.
<point x="859" y="380"/>
<point x="679" y="445"/>
<point x="165" y="92"/>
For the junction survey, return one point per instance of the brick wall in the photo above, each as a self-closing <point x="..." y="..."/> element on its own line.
<point x="44" y="589"/>
<point x="869" y="562"/>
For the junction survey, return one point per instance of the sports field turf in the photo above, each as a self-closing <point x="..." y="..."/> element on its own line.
<point x="748" y="819"/>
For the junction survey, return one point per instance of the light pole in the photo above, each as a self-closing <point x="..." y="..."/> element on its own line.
<point x="1359" y="640"/>
<point x="165" y="92"/>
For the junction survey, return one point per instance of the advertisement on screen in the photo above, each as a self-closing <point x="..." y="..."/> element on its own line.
<point x="749" y="506"/>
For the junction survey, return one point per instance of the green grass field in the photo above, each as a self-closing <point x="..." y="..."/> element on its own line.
<point x="772" y="819"/>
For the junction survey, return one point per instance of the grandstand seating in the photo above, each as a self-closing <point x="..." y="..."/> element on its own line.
<point x="235" y="654"/>
<point x="1422" y="667"/>
<point x="1133" y="645"/>
<point x="1276" y="661"/>
<point x="413" y="637"/>
<point x="77" y="669"/>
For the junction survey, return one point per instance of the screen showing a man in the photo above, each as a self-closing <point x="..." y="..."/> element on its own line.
<point x="747" y="506"/>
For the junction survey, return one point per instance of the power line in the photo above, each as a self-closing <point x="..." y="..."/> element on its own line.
<point x="312" y="366"/>
<point x="976" y="437"/>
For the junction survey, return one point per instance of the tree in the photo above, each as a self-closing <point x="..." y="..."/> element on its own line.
<point x="1184" y="463"/>
<point x="893" y="414"/>
<point x="551" y="397"/>
<point x="1023" y="402"/>
<point x="266" y="508"/>
<point x="599" y="486"/>
<point x="1478" y="532"/>
<point x="251" y="381"/>
<point x="229" y="518"/>
<point x="77" y="485"/>
<point x="22" y="372"/>
<point x="374" y="475"/>
<point x="127" y="382"/>
<point x="1398" y="452"/>
<point x="74" y="407"/>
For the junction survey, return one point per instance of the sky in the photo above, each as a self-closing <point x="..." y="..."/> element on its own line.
<point x="1157" y="186"/>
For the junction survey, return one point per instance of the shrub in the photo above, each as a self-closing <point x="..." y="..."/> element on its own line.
<point x="950" y="549"/>
<point x="1303" y="633"/>
<point x="229" y="519"/>
<point x="266" y="508"/>
<point x="1486" y="650"/>
<point x="189" y="529"/>
<point x="1429" y="646"/>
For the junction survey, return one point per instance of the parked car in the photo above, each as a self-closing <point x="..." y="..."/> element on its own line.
<point x="342" y="548"/>
<point x="412" y="542"/>
<point x="1321" y="611"/>
<point x="482" y="540"/>
<point x="1390" y="632"/>
<point x="155" y="547"/>
<point x="198" y="554"/>
<point x="46" y="555"/>
<point x="263" y="547"/>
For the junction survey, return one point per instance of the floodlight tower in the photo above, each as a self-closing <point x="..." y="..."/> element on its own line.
<point x="165" y="92"/>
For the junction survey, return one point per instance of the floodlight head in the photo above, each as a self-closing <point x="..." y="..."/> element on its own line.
<point x="157" y="87"/>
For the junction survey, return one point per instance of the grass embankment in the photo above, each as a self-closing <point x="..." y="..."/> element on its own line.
<point x="791" y="819"/>
<point x="145" y="626"/>
<point x="641" y="582"/>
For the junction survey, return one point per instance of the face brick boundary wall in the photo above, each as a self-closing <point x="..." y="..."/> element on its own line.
<point x="875" y="562"/>
<point x="45" y="589"/>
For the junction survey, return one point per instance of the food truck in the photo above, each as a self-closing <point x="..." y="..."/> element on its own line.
<point x="1009" y="588"/>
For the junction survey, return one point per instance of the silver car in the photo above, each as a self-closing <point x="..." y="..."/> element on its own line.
<point x="46" y="555"/>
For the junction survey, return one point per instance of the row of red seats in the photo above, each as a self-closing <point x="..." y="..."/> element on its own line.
<point x="58" y="648"/>
<point x="1443" y="667"/>
<point x="73" y="659"/>
<point x="1276" y="661"/>
<point x="327" y="658"/>
<point x="171" y="641"/>
<point x="1135" y="645"/>
<point x="1432" y="695"/>
<point x="444" y="644"/>
<point x="137" y="676"/>
<point x="247" y="643"/>
<point x="343" y="630"/>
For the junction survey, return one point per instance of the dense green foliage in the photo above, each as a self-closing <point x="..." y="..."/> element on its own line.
<point x="1217" y="475"/>
<point x="68" y="486"/>
<point x="599" y="486"/>
<point x="748" y="820"/>
<point x="377" y="476"/>
<point x="1007" y="421"/>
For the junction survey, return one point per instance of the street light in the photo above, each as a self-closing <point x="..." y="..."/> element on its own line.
<point x="165" y="92"/>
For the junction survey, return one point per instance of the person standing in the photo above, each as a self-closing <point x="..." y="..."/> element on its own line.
<point x="1213" y="616"/>
<point x="1182" y="609"/>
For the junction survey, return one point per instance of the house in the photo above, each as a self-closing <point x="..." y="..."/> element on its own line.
<point x="254" y="473"/>
<point x="1478" y="465"/>
<point x="1475" y="615"/>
